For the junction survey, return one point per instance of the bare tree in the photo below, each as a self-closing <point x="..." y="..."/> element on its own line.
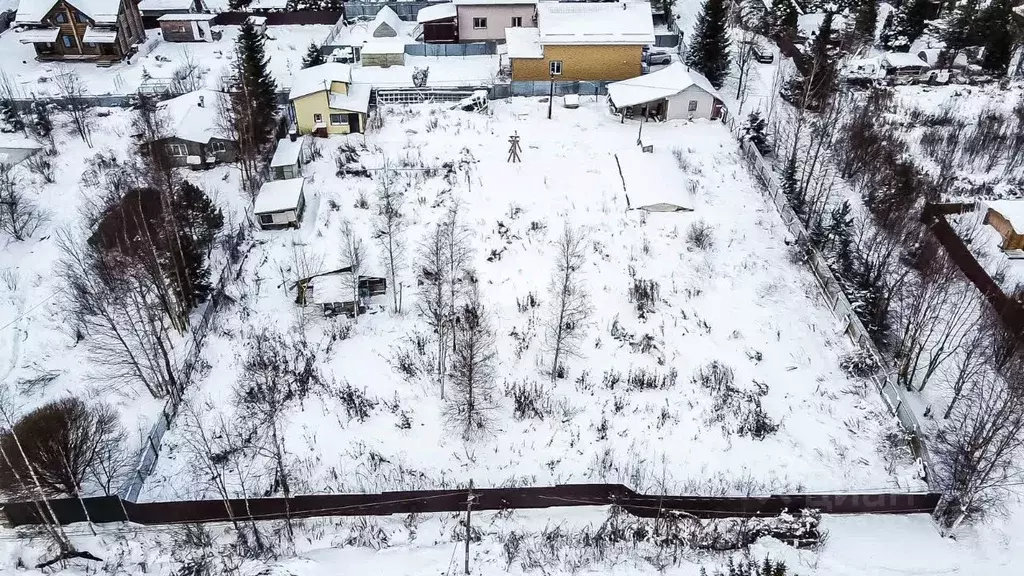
<point x="976" y="452"/>
<point x="353" y="257"/>
<point x="114" y="463"/>
<point x="389" y="230"/>
<point x="189" y="75"/>
<point x="744" y="66"/>
<point x="238" y="120"/>
<point x="473" y="363"/>
<point x="19" y="216"/>
<point x="275" y="374"/>
<point x="458" y="253"/>
<point x="569" y="298"/>
<point x="73" y="94"/>
<point x="207" y="452"/>
<point x="433" y="301"/>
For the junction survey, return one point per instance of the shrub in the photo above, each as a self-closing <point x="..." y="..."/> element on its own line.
<point x="859" y="364"/>
<point x="357" y="403"/>
<point x="700" y="236"/>
<point x="528" y="400"/>
<point x="738" y="410"/>
<point x="644" y="294"/>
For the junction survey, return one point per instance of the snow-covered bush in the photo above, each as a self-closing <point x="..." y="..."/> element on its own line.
<point x="700" y="236"/>
<point x="738" y="410"/>
<point x="357" y="403"/>
<point x="644" y="294"/>
<point x="859" y="364"/>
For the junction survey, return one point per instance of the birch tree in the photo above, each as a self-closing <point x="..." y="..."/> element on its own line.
<point x="353" y="256"/>
<point x="570" y="301"/>
<point x="389" y="230"/>
<point x="433" y="300"/>
<point x="473" y="369"/>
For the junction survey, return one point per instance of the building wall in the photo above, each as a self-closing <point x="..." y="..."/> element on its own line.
<point x="498" y="18"/>
<point x="179" y="31"/>
<point x="679" y="105"/>
<point x="383" y="60"/>
<point x="582" y="63"/>
<point x="230" y="154"/>
<point x="440" y="32"/>
<point x="129" y="32"/>
<point x="307" y="106"/>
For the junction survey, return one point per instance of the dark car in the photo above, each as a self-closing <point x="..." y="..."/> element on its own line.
<point x="761" y="54"/>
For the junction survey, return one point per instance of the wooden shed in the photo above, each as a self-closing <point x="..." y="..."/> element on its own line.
<point x="188" y="27"/>
<point x="288" y="158"/>
<point x="280" y="204"/>
<point x="383" y="53"/>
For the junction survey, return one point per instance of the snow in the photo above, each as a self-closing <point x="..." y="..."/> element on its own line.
<point x="188" y="120"/>
<point x="186" y="17"/>
<point x="644" y="190"/>
<point x="285" y="47"/>
<point x="523" y="43"/>
<point x="1012" y="210"/>
<point x="318" y="78"/>
<point x="491" y="2"/>
<point x="101" y="11"/>
<point x="287" y="152"/>
<point x="595" y="23"/>
<point x="100" y="35"/>
<point x="809" y="24"/>
<point x="278" y="196"/>
<point x="155" y="5"/>
<point x="444" y="71"/>
<point x="903" y="60"/>
<point x="387" y="23"/>
<point x="356" y="99"/>
<point x="668" y="81"/>
<point x="384" y="46"/>
<point x="33" y="35"/>
<point x="437" y="12"/>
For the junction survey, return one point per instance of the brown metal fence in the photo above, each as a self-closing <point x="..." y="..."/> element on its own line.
<point x="281" y="18"/>
<point x="113" y="509"/>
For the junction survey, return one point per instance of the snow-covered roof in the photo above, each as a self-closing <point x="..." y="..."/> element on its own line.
<point x="491" y="2"/>
<point x="384" y="46"/>
<point x="357" y="99"/>
<point x="386" y="24"/>
<point x="188" y="120"/>
<point x="903" y="60"/>
<point x="186" y="17"/>
<point x="807" y="25"/>
<point x="157" y="5"/>
<point x="100" y="35"/>
<point x="33" y="35"/>
<point x="100" y="11"/>
<point x="1012" y="210"/>
<point x="278" y="196"/>
<point x="257" y="20"/>
<point x="649" y="186"/>
<point x="287" y="152"/>
<point x="523" y="43"/>
<point x="10" y="141"/>
<point x="437" y="12"/>
<point x="318" y="78"/>
<point x="666" y="82"/>
<point x="595" y="23"/>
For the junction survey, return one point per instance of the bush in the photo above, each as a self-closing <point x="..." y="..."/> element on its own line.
<point x="738" y="410"/>
<point x="859" y="364"/>
<point x="528" y="400"/>
<point x="700" y="236"/>
<point x="644" y="294"/>
<point x="357" y="403"/>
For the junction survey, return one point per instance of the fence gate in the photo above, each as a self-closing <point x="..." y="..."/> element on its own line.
<point x="420" y="95"/>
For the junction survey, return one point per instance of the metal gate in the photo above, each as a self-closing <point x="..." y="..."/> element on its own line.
<point x="420" y="95"/>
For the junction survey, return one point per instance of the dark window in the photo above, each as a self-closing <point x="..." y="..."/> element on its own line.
<point x="337" y="119"/>
<point x="66" y="40"/>
<point x="266" y="218"/>
<point x="517" y="21"/>
<point x="318" y="118"/>
<point x="479" y="23"/>
<point x="555" y="67"/>
<point x="177" y="150"/>
<point x="60" y="18"/>
<point x="218" y="147"/>
<point x="693" y="106"/>
<point x="81" y="17"/>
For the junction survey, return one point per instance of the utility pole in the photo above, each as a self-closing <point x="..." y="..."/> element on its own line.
<point x="469" y="511"/>
<point x="551" y="95"/>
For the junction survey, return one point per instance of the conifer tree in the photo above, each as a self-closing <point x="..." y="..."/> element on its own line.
<point x="997" y="23"/>
<point x="197" y="215"/>
<point x="791" y="186"/>
<point x="865" y="20"/>
<point x="709" y="50"/>
<point x="820" y="84"/>
<point x="905" y="25"/>
<point x="756" y="131"/>
<point x="840" y="238"/>
<point x="313" y="57"/>
<point x="783" y="18"/>
<point x="10" y="118"/>
<point x="256" y="88"/>
<point x="961" y="27"/>
<point x="41" y="123"/>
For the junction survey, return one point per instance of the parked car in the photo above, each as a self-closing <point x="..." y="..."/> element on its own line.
<point x="761" y="54"/>
<point x="659" y="57"/>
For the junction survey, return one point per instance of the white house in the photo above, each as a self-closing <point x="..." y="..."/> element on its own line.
<point x="674" y="92"/>
<point x="280" y="203"/>
<point x="481" y="20"/>
<point x="385" y="30"/>
<point x="288" y="158"/>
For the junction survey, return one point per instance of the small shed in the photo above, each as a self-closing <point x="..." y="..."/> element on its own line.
<point x="438" y="22"/>
<point x="383" y="53"/>
<point x="646" y="185"/>
<point x="674" y="92"/>
<point x="288" y="158"/>
<point x="188" y="27"/>
<point x="903" y="64"/>
<point x="1007" y="217"/>
<point x="280" y="203"/>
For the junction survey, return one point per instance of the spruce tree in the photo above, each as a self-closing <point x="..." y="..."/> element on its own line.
<point x="197" y="215"/>
<point x="865" y="20"/>
<point x="961" y="27"/>
<point x="891" y="39"/>
<point x="840" y="239"/>
<point x="41" y="123"/>
<point x="997" y="23"/>
<point x="314" y="57"/>
<point x="10" y="118"/>
<point x="256" y="87"/>
<point x="819" y="85"/>
<point x="709" y="50"/>
<point x="755" y="131"/>
<point x="783" y="18"/>
<point x="905" y="25"/>
<point x="791" y="186"/>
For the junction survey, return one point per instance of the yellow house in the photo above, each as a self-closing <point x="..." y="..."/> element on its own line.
<point x="325" y="101"/>
<point x="582" y="41"/>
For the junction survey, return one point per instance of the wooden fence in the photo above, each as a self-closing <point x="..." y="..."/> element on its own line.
<point x="112" y="509"/>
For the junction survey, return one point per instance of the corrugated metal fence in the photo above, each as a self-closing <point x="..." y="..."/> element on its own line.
<point x="405" y="10"/>
<point x="113" y="509"/>
<point x="835" y="298"/>
<point x="468" y="49"/>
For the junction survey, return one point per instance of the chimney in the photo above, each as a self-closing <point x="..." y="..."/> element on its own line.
<point x="201" y="98"/>
<point x="293" y="136"/>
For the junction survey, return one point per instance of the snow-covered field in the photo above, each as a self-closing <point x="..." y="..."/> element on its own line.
<point x="742" y="303"/>
<point x="285" y="46"/>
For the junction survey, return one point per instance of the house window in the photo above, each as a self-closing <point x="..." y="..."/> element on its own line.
<point x="517" y="21"/>
<point x="266" y="218"/>
<point x="337" y="119"/>
<point x="66" y="40"/>
<point x="555" y="67"/>
<point x="60" y="18"/>
<point x="318" y="118"/>
<point x="218" y="147"/>
<point x="177" y="150"/>
<point x="479" y="23"/>
<point x="81" y="17"/>
<point x="693" y="106"/>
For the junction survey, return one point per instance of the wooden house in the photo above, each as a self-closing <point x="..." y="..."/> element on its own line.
<point x="289" y="156"/>
<point x="324" y="100"/>
<point x="77" y="30"/>
<point x="280" y="203"/>
<point x="188" y="27"/>
<point x="194" y="136"/>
